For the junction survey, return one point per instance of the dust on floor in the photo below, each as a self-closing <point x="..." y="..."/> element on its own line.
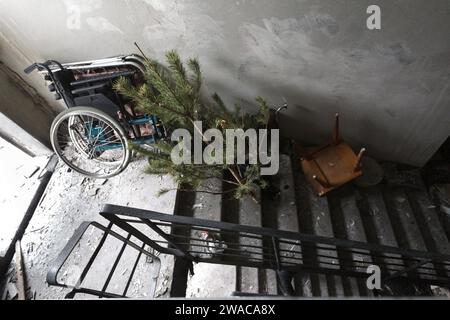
<point x="70" y="199"/>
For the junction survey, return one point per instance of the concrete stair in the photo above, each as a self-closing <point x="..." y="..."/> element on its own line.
<point x="386" y="214"/>
<point x="205" y="282"/>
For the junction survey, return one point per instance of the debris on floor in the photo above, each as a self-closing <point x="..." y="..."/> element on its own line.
<point x="71" y="199"/>
<point x="20" y="180"/>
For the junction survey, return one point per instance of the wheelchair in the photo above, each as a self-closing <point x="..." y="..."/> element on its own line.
<point x="93" y="135"/>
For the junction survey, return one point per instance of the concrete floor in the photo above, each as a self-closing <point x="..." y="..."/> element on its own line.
<point x="19" y="174"/>
<point x="71" y="199"/>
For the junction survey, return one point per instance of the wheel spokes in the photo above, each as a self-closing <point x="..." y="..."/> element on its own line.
<point x="91" y="144"/>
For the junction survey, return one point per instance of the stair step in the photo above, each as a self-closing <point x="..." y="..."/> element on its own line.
<point x="402" y="217"/>
<point x="279" y="210"/>
<point x="321" y="226"/>
<point x="404" y="223"/>
<point x="270" y="283"/>
<point x="303" y="285"/>
<point x="377" y="224"/>
<point x="183" y="206"/>
<point x="348" y="224"/>
<point x="430" y="227"/>
<point x="405" y="214"/>
<point x="338" y="287"/>
<point x="250" y="215"/>
<point x="352" y="287"/>
<point x="356" y="232"/>
<point x="427" y="217"/>
<point x="319" y="285"/>
<point x="286" y="213"/>
<point x="306" y="221"/>
<point x="441" y="198"/>
<point x="210" y="280"/>
<point x="287" y="219"/>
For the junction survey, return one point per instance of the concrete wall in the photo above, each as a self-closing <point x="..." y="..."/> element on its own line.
<point x="391" y="86"/>
<point x="25" y="117"/>
<point x="21" y="139"/>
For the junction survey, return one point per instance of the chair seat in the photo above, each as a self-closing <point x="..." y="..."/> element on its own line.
<point x="333" y="166"/>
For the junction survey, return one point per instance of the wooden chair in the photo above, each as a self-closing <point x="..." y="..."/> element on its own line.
<point x="330" y="166"/>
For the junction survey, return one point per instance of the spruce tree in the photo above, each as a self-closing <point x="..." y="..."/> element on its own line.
<point x="173" y="93"/>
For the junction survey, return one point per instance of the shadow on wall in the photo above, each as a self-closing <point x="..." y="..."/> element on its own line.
<point x="386" y="123"/>
<point x="21" y="103"/>
<point x="309" y="117"/>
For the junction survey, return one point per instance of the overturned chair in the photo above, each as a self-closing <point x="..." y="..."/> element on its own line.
<point x="332" y="165"/>
<point x="143" y="236"/>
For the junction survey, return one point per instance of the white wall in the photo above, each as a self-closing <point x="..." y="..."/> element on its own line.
<point x="392" y="87"/>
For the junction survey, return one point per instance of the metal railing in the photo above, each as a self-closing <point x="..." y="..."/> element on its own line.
<point x="199" y="240"/>
<point x="103" y="281"/>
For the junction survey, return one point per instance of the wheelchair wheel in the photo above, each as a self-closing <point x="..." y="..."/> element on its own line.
<point x="90" y="142"/>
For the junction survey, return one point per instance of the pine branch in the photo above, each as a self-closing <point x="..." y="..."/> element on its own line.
<point x="197" y="78"/>
<point x="174" y="94"/>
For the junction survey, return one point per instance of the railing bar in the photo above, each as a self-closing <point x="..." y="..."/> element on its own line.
<point x="232" y="249"/>
<point x="165" y="236"/>
<point x="266" y="263"/>
<point x="364" y="252"/>
<point x="365" y="264"/>
<point x="277" y="255"/>
<point x="405" y="259"/>
<point x="228" y="243"/>
<point x="317" y="255"/>
<point x="217" y="230"/>
<point x="331" y="257"/>
<point x="94" y="254"/>
<point x="226" y="254"/>
<point x="358" y="251"/>
<point x="368" y="254"/>
<point x="111" y="210"/>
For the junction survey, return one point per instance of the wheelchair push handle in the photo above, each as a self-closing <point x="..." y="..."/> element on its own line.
<point x="44" y="65"/>
<point x="31" y="68"/>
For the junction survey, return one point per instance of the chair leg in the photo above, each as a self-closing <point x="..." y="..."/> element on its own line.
<point x="357" y="165"/>
<point x="320" y="181"/>
<point x="336" y="138"/>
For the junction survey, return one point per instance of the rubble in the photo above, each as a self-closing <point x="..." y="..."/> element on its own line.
<point x="68" y="201"/>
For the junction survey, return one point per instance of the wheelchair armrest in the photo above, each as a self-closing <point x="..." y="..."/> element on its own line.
<point x="103" y="78"/>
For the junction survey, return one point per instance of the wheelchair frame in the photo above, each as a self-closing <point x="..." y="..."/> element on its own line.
<point x="90" y="84"/>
